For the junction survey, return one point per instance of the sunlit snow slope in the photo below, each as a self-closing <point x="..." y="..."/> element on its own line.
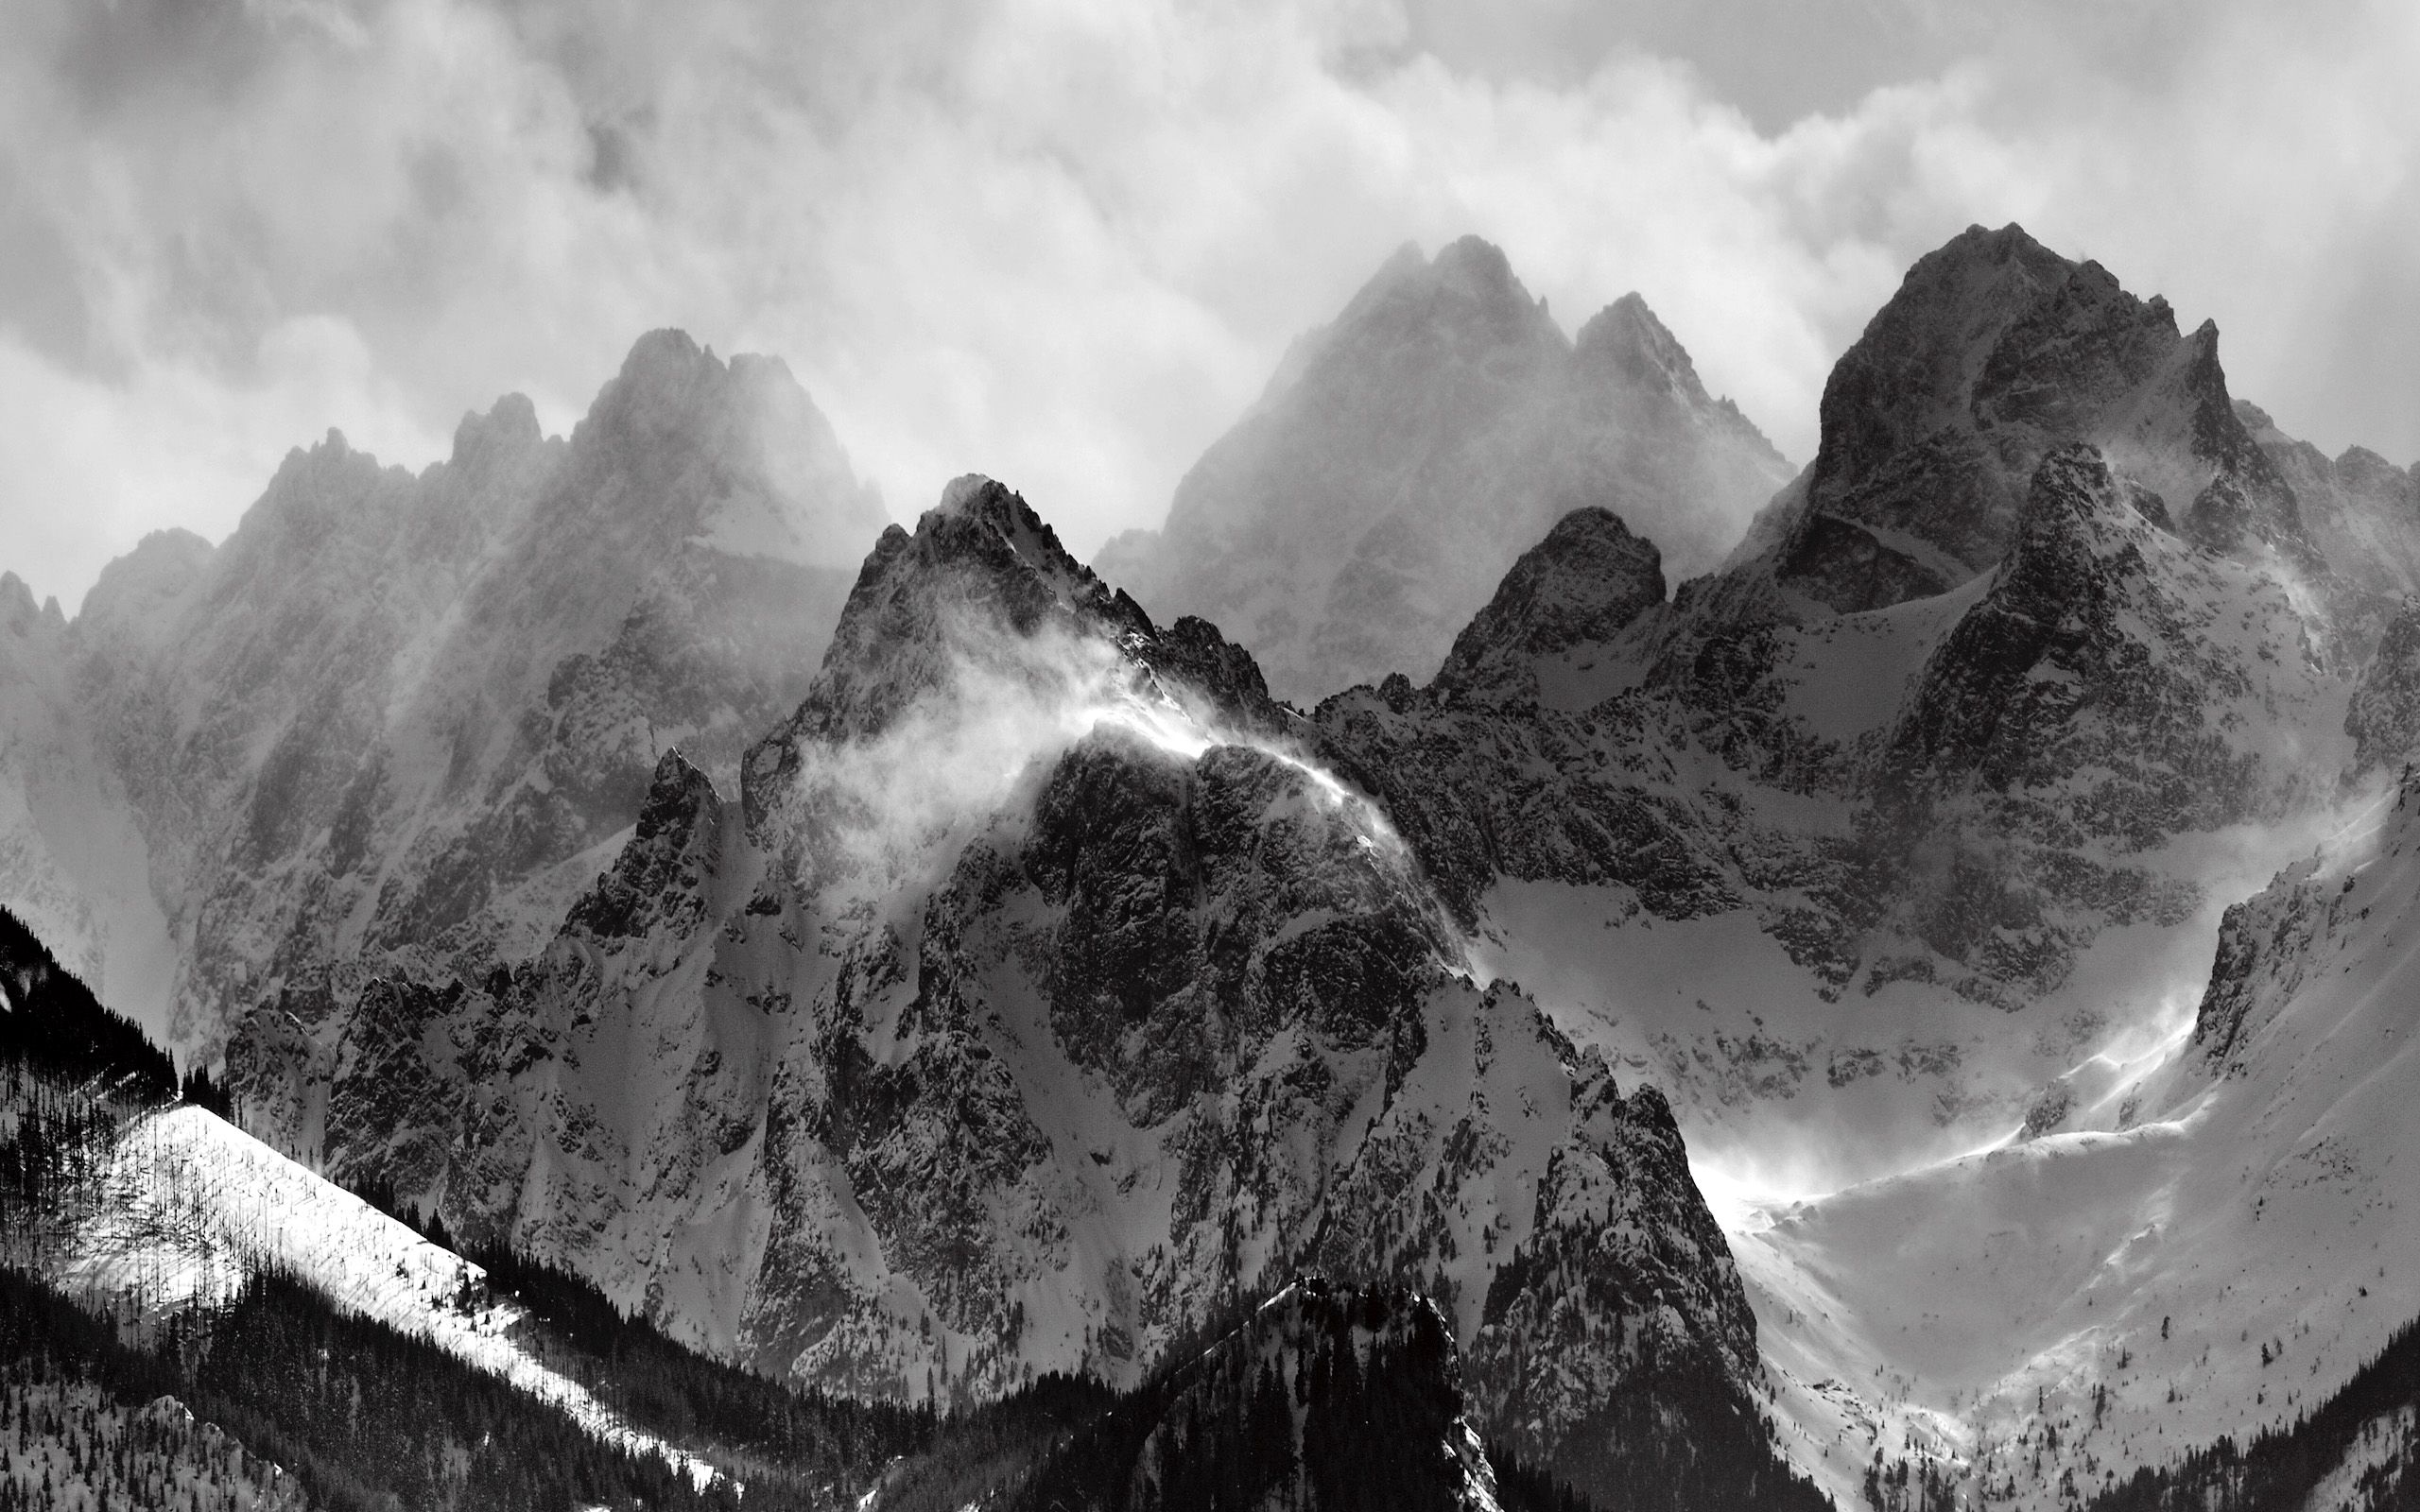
<point x="193" y="1206"/>
<point x="2213" y="1243"/>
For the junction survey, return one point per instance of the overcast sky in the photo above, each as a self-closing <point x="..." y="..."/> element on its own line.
<point x="1065" y="241"/>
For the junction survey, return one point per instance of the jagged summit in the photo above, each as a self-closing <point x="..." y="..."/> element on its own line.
<point x="16" y="599"/>
<point x="392" y="712"/>
<point x="991" y="506"/>
<point x="2359" y="509"/>
<point x="982" y="603"/>
<point x="1627" y="339"/>
<point x="979" y="560"/>
<point x="656" y="883"/>
<point x="1995" y="352"/>
<point x="667" y="377"/>
<point x="510" y="425"/>
<point x="1350" y="524"/>
<point x="1580" y="586"/>
<point x="1468" y="288"/>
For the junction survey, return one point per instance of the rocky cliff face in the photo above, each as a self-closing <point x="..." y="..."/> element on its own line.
<point x="1995" y="804"/>
<point x="73" y="861"/>
<point x="398" y="713"/>
<point x="1038" y="994"/>
<point x="2360" y="511"/>
<point x="1351" y="523"/>
<point x="1995" y="352"/>
<point x="2111" y="689"/>
<point x="2383" y="716"/>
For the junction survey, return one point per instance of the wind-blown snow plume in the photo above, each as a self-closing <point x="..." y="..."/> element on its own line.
<point x="996" y="703"/>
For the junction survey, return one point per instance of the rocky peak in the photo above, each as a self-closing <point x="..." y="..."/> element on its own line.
<point x="1995" y="353"/>
<point x="1909" y="373"/>
<point x="1348" y="526"/>
<point x="982" y="608"/>
<point x="136" y="596"/>
<point x="2179" y="434"/>
<point x="1625" y="340"/>
<point x="740" y="447"/>
<point x="1476" y="269"/>
<point x="2365" y="469"/>
<point x="661" y="378"/>
<point x="309" y="494"/>
<point x="397" y="712"/>
<point x="1467" y="288"/>
<point x="2060" y="531"/>
<point x="662" y="874"/>
<point x="1983" y="706"/>
<point x="979" y="518"/>
<point x="17" y="609"/>
<point x="1433" y="339"/>
<point x="510" y="426"/>
<point x="2356" y="510"/>
<point x="981" y="565"/>
<point x="1588" y="578"/>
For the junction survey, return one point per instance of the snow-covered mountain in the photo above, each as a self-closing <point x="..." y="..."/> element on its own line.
<point x="1871" y="867"/>
<point x="397" y="713"/>
<point x="2207" y="1242"/>
<point x="1789" y="992"/>
<point x="1995" y="352"/>
<point x="1036" y="995"/>
<point x="189" y="1209"/>
<point x="1403" y="455"/>
<point x="1872" y="879"/>
<point x="2359" y="509"/>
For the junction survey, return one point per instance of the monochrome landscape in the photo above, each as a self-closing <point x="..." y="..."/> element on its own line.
<point x="1337" y="1001"/>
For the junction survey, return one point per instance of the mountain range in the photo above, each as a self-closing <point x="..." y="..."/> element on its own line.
<point x="1857" y="1021"/>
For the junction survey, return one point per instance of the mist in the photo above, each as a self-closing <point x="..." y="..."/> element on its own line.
<point x="1068" y="243"/>
<point x="888" y="815"/>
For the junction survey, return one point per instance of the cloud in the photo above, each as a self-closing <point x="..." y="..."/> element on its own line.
<point x="1065" y="241"/>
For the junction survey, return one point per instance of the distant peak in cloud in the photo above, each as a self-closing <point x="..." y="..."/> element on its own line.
<point x="1070" y="250"/>
<point x="510" y="424"/>
<point x="1351" y="523"/>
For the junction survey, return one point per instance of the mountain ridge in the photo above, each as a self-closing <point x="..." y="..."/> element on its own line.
<point x="1026" y="982"/>
<point x="1366" y="505"/>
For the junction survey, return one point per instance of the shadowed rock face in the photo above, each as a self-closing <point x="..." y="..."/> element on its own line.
<point x="2106" y="687"/>
<point x="1403" y="456"/>
<point x="2383" y="716"/>
<point x="1582" y="585"/>
<point x="1995" y="352"/>
<point x="2363" y="514"/>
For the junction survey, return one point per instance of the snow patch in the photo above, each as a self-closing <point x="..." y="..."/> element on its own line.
<point x="193" y="1206"/>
